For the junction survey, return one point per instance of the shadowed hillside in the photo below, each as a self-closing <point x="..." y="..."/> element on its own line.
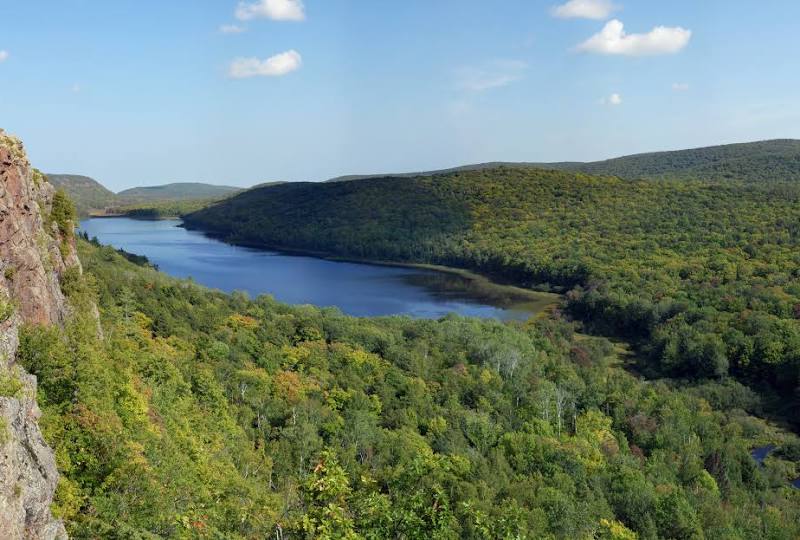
<point x="386" y="217"/>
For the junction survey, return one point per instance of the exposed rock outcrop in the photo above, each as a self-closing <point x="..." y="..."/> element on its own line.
<point x="33" y="257"/>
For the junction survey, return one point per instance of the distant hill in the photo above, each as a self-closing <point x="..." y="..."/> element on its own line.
<point x="267" y="184"/>
<point x="91" y="197"/>
<point x="748" y="162"/>
<point x="87" y="193"/>
<point x="176" y="192"/>
<point x="461" y="168"/>
<point x="761" y="161"/>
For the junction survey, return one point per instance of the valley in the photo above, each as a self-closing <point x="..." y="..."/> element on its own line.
<point x="701" y="275"/>
<point x="234" y="417"/>
<point x="450" y="270"/>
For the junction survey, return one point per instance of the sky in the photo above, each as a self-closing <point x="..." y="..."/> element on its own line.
<point x="144" y="92"/>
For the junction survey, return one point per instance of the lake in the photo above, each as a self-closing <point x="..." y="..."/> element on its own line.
<point x="363" y="290"/>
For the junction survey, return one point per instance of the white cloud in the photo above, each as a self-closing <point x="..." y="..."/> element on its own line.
<point x="494" y="75"/>
<point x="3" y="56"/>
<point x="612" y="39"/>
<point x="232" y="29"/>
<point x="613" y="100"/>
<point x="277" y="10"/>
<point x="274" y="66"/>
<point x="584" y="9"/>
<point x="680" y="87"/>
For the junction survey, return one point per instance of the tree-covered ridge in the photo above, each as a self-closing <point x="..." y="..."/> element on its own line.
<point x="764" y="161"/>
<point x="395" y="219"/>
<point x="178" y="191"/>
<point x="203" y="415"/>
<point x="703" y="274"/>
<point x="761" y="161"/>
<point x="163" y="209"/>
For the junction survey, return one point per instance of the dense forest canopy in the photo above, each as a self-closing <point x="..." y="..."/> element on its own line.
<point x="761" y="161"/>
<point x="184" y="412"/>
<point x="196" y="414"/>
<point x="703" y="275"/>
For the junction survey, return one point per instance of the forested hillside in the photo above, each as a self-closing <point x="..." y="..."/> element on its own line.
<point x="151" y="202"/>
<point x="202" y="415"/>
<point x="163" y="209"/>
<point x="761" y="161"/>
<point x="702" y="275"/>
<point x="764" y="161"/>
<point x="87" y="193"/>
<point x="179" y="191"/>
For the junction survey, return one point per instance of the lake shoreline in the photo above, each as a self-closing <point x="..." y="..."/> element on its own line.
<point x="130" y="216"/>
<point x="552" y="298"/>
<point x="416" y="289"/>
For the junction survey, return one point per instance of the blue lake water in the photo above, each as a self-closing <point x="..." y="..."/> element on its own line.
<point x="356" y="289"/>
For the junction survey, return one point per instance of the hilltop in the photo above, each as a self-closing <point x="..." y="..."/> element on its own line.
<point x="176" y="192"/>
<point x="87" y="193"/>
<point x="761" y="161"/>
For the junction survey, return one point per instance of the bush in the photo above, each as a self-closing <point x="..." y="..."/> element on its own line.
<point x="63" y="214"/>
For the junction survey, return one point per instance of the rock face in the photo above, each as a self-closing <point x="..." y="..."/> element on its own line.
<point x="30" y="250"/>
<point x="33" y="257"/>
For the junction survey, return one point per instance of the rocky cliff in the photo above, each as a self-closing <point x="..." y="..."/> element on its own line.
<point x="34" y="253"/>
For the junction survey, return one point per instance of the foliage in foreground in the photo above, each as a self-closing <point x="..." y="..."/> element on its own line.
<point x="204" y="415"/>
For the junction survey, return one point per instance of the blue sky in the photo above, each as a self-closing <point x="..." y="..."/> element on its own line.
<point x="147" y="92"/>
